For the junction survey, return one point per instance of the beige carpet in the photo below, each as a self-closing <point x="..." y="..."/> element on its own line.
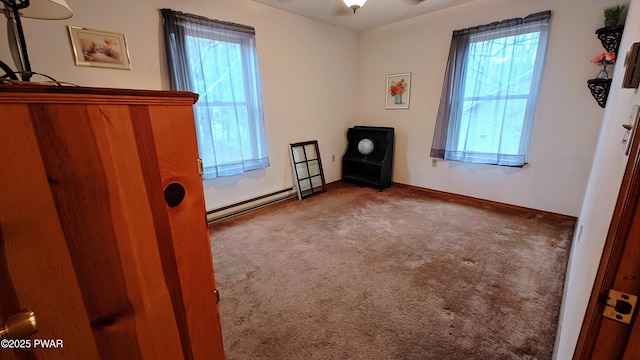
<point x="355" y="273"/>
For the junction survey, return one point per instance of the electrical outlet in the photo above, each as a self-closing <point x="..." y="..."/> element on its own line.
<point x="434" y="162"/>
<point x="579" y="233"/>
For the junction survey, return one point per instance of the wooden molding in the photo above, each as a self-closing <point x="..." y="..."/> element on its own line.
<point x="484" y="202"/>
<point x="48" y="94"/>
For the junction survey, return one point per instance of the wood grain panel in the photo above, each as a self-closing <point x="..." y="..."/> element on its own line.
<point x="177" y="155"/>
<point x="610" y="347"/>
<point x="125" y="276"/>
<point x="632" y="351"/>
<point x="134" y="226"/>
<point x="630" y="282"/>
<point x="148" y="155"/>
<point x="82" y="195"/>
<point x="37" y="271"/>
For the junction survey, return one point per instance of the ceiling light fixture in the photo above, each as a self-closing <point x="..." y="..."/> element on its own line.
<point x="37" y="9"/>
<point x="354" y="4"/>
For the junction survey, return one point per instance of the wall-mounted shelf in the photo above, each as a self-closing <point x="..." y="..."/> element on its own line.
<point x="610" y="37"/>
<point x="600" y="90"/>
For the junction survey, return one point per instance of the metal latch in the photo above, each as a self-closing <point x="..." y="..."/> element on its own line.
<point x="200" y="167"/>
<point x="619" y="306"/>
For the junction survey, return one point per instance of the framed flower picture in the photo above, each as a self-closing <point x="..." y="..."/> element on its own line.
<point x="397" y="91"/>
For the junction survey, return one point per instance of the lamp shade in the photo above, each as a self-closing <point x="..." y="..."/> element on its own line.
<point x="47" y="10"/>
<point x="354" y="4"/>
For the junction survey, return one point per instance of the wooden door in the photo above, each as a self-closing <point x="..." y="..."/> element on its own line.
<point x="138" y="270"/>
<point x="36" y="271"/>
<point x="187" y="228"/>
<point x="600" y="337"/>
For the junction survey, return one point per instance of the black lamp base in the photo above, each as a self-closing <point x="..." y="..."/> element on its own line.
<point x="15" y="6"/>
<point x="15" y="76"/>
<point x="8" y="73"/>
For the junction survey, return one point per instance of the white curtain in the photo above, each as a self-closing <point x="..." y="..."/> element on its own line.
<point x="218" y="61"/>
<point x="490" y="91"/>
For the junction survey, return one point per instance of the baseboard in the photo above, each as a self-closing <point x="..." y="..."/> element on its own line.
<point x="485" y="202"/>
<point x="245" y="206"/>
<point x="259" y="202"/>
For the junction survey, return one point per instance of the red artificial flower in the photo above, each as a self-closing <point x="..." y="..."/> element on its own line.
<point x="605" y="57"/>
<point x="610" y="57"/>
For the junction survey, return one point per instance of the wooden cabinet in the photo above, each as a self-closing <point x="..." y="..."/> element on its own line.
<point x="102" y="224"/>
<point x="372" y="168"/>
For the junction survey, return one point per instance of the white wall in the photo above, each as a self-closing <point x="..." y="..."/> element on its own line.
<point x="602" y="192"/>
<point x="319" y="79"/>
<point x="567" y="120"/>
<point x="308" y="72"/>
<point x="309" y="78"/>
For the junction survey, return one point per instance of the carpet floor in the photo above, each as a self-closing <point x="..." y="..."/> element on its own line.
<point x="355" y="273"/>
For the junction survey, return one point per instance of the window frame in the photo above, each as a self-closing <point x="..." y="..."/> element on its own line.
<point x="243" y="121"/>
<point x="249" y="99"/>
<point x="446" y="143"/>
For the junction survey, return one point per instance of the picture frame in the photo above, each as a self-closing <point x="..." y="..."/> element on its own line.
<point x="398" y="91"/>
<point x="97" y="48"/>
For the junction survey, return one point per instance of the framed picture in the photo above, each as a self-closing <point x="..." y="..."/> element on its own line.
<point x="99" y="48"/>
<point x="397" y="91"/>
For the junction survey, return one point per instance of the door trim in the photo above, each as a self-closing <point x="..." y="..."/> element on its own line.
<point x="626" y="204"/>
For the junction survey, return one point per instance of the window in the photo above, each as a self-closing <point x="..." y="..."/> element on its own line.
<point x="218" y="61"/>
<point x="490" y="91"/>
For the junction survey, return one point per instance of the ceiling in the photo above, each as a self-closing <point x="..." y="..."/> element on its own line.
<point x="374" y="13"/>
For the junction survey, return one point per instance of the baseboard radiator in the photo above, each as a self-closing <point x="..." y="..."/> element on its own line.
<point x="245" y="206"/>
